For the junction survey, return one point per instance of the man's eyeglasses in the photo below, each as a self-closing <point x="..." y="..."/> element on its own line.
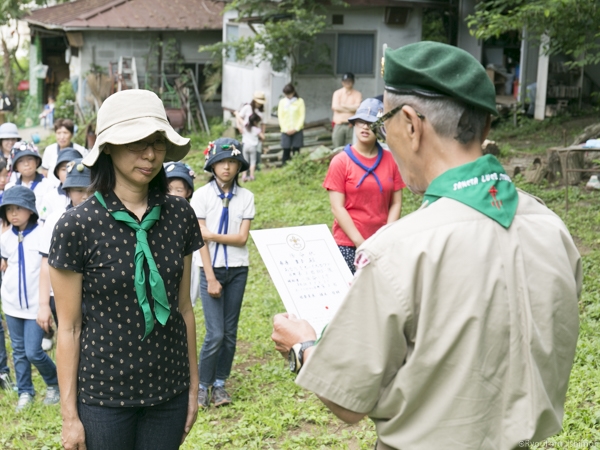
<point x="379" y="126"/>
<point x="140" y="146"/>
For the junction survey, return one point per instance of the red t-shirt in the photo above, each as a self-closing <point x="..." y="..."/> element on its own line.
<point x="367" y="205"/>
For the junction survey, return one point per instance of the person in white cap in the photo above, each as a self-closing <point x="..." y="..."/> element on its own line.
<point x="128" y="361"/>
<point x="242" y="118"/>
<point x="9" y="136"/>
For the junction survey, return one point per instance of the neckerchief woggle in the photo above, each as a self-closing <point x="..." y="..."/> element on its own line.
<point x="483" y="185"/>
<point x="22" y="269"/>
<point x="368" y="170"/>
<point x="162" y="309"/>
<point x="224" y="221"/>
<point x="38" y="177"/>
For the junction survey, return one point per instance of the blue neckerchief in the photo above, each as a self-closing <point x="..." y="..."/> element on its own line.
<point x="22" y="272"/>
<point x="60" y="190"/>
<point x="224" y="222"/>
<point x="368" y="170"/>
<point x="38" y="177"/>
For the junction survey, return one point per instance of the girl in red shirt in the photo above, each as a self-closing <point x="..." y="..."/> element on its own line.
<point x="364" y="184"/>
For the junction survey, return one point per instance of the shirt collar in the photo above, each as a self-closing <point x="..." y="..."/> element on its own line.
<point x="219" y="191"/>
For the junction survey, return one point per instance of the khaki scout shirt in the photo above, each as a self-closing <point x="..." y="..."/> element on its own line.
<point x="458" y="333"/>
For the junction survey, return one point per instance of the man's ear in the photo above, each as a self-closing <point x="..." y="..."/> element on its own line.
<point x="413" y="126"/>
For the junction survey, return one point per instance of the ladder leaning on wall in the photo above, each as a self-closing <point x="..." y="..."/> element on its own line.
<point x="127" y="74"/>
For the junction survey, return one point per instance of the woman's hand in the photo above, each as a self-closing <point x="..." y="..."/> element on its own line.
<point x="73" y="435"/>
<point x="290" y="132"/>
<point x="207" y="235"/>
<point x="192" y="413"/>
<point x="214" y="288"/>
<point x="3" y="265"/>
<point x="44" y="317"/>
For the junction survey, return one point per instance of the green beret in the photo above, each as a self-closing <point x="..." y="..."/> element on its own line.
<point x="432" y="69"/>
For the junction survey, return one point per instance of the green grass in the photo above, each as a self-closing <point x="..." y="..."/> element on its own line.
<point x="269" y="410"/>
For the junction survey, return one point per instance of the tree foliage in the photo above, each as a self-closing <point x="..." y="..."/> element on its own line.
<point x="11" y="11"/>
<point x="573" y="26"/>
<point x="283" y="30"/>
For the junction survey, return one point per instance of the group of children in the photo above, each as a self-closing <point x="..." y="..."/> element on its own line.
<point x="30" y="207"/>
<point x="26" y="293"/>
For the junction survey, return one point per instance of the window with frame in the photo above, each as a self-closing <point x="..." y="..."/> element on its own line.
<point x="232" y="34"/>
<point x="339" y="53"/>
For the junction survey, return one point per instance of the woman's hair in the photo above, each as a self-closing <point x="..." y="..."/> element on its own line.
<point x="104" y="179"/>
<point x="255" y="105"/>
<point x="253" y="121"/>
<point x="290" y="89"/>
<point x="67" y="123"/>
<point x="2" y="163"/>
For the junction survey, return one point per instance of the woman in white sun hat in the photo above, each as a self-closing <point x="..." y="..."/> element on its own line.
<point x="127" y="363"/>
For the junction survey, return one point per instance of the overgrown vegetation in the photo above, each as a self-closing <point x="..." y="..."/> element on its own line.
<point x="572" y="26"/>
<point x="270" y="411"/>
<point x="64" y="107"/>
<point x="282" y="32"/>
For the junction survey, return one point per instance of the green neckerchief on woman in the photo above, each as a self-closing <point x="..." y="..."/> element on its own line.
<point x="162" y="308"/>
<point x="483" y="185"/>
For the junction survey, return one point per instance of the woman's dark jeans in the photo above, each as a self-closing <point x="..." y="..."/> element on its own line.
<point x="221" y="316"/>
<point x="135" y="428"/>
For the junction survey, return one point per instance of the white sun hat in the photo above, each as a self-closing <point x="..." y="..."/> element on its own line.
<point x="131" y="115"/>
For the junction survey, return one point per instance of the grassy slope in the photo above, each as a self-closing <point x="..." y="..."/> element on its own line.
<point x="269" y="410"/>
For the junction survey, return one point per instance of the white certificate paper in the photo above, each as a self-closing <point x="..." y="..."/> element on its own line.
<point x="307" y="269"/>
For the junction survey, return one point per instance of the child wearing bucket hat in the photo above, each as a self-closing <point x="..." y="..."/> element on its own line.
<point x="56" y="199"/>
<point x="364" y="185"/>
<point x="126" y="254"/>
<point x="25" y="162"/>
<point x="180" y="177"/>
<point x="225" y="211"/>
<point x="75" y="185"/>
<point x="20" y="294"/>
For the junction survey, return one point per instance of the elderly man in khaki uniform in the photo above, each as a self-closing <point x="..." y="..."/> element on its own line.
<point x="460" y="327"/>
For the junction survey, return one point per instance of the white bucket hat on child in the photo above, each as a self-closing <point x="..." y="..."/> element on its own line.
<point x="131" y="115"/>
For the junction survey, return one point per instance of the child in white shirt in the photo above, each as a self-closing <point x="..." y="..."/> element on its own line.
<point x="251" y="137"/>
<point x="20" y="294"/>
<point x="180" y="177"/>
<point x="25" y="162"/>
<point x="224" y="211"/>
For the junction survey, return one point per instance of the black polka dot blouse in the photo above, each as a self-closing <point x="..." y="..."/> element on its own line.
<point x="117" y="368"/>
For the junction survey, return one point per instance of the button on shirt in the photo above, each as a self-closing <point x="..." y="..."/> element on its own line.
<point x="208" y="206"/>
<point x="117" y="368"/>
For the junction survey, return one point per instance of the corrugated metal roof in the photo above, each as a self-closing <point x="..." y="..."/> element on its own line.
<point x="131" y="14"/>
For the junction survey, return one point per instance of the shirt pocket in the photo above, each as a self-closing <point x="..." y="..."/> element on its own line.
<point x="236" y="215"/>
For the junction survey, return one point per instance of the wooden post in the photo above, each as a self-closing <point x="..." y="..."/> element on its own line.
<point x="542" y="79"/>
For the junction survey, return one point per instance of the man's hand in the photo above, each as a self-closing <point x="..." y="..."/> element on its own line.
<point x="288" y="331"/>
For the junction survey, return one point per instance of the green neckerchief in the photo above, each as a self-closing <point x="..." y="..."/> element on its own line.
<point x="142" y="251"/>
<point x="483" y="185"/>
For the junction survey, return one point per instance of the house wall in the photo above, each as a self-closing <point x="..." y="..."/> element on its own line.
<point x="317" y="90"/>
<point x="465" y="40"/>
<point x="240" y="80"/>
<point x="102" y="47"/>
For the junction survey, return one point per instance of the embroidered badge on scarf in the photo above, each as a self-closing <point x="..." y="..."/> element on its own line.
<point x="483" y="185"/>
